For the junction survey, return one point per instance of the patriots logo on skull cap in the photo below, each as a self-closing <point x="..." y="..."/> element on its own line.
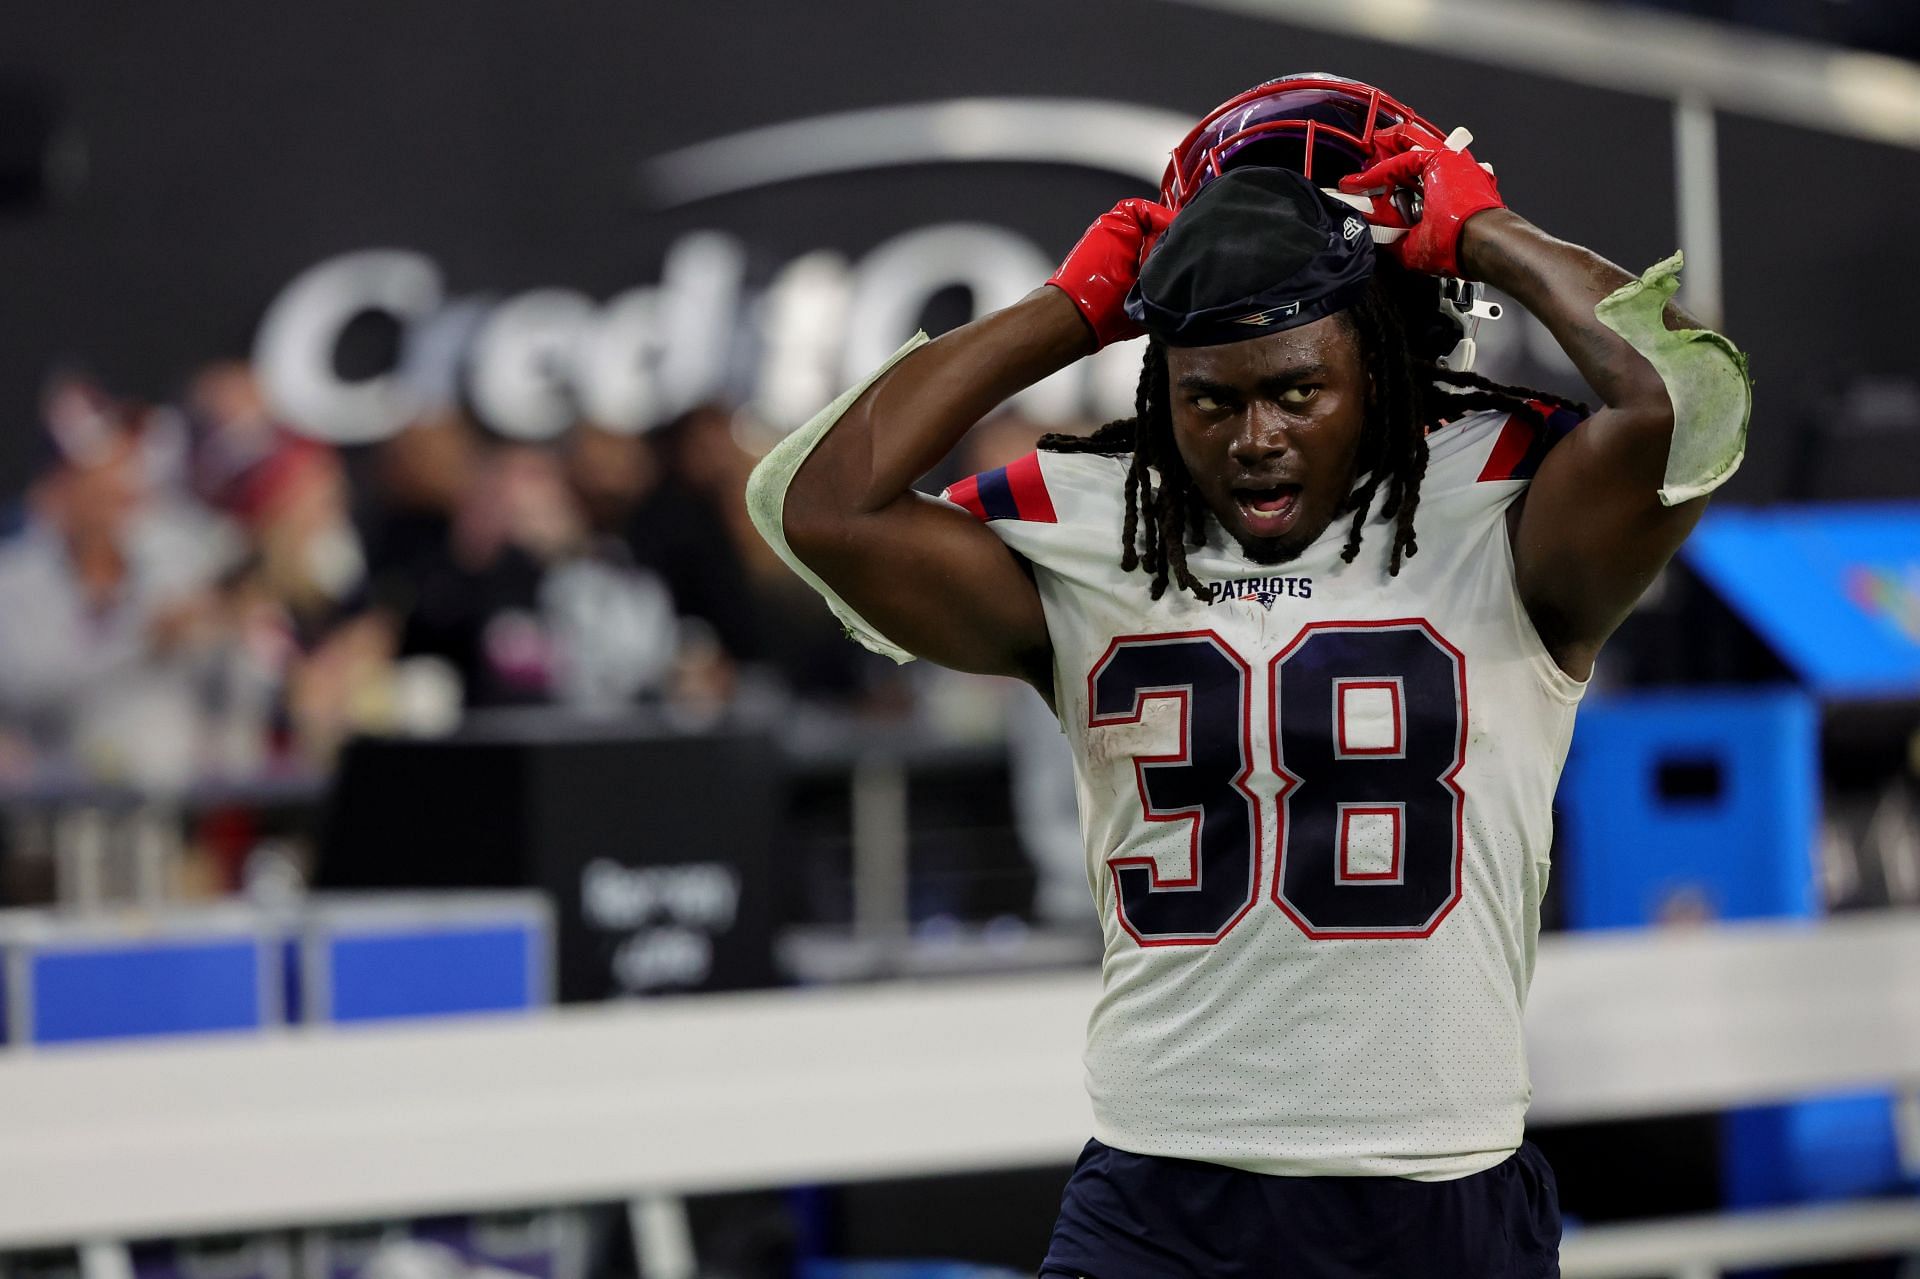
<point x="1261" y="319"/>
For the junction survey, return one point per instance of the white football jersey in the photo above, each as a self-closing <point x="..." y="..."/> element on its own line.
<point x="1317" y="812"/>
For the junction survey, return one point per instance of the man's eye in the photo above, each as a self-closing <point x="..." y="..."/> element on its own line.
<point x="1208" y="404"/>
<point x="1298" y="394"/>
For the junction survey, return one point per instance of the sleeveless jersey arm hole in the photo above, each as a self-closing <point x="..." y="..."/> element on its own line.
<point x="1478" y="467"/>
<point x="1060" y="514"/>
<point x="1016" y="491"/>
<point x="1557" y="682"/>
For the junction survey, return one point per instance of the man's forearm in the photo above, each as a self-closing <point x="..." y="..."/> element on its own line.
<point x="1560" y="284"/>
<point x="919" y="409"/>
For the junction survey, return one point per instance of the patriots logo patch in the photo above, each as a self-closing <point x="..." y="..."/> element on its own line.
<point x="1261" y="319"/>
<point x="1264" y="591"/>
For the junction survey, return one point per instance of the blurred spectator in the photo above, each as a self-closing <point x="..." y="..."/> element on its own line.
<point x="774" y="614"/>
<point x="641" y="491"/>
<point x="611" y="472"/>
<point x="417" y="481"/>
<point x="634" y="494"/>
<point x="110" y="616"/>
<point x="525" y="606"/>
<point x="298" y="618"/>
<point x="287" y="491"/>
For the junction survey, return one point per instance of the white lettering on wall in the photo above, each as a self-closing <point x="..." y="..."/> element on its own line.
<point x="657" y="958"/>
<point x="696" y="894"/>
<point x="301" y="330"/>
<point x="531" y="363"/>
<point x="522" y="371"/>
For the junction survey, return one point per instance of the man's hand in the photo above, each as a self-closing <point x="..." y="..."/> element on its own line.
<point x="1452" y="187"/>
<point x="1105" y="264"/>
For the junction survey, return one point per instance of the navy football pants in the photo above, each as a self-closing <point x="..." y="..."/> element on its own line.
<point x="1129" y="1216"/>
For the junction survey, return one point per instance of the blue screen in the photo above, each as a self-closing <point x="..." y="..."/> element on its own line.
<point x="145" y="988"/>
<point x="1834" y="590"/>
<point x="432" y="971"/>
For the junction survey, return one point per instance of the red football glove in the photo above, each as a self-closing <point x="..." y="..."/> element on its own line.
<point x="1105" y="264"/>
<point x="1452" y="187"/>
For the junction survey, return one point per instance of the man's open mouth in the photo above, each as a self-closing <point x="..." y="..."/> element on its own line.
<point x="1268" y="511"/>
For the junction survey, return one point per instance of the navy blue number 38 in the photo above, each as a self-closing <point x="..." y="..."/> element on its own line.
<point x="1367" y="723"/>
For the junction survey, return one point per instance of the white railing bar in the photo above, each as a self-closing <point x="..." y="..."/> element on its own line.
<point x="730" y="1092"/>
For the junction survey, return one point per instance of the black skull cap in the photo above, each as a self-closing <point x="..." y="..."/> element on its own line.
<point x="1256" y="251"/>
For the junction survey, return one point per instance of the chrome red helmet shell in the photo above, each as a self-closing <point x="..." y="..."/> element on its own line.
<point x="1320" y="125"/>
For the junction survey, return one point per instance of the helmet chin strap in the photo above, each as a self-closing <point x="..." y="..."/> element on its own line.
<point x="1381" y="234"/>
<point x="1461" y="358"/>
<point x="1462" y="303"/>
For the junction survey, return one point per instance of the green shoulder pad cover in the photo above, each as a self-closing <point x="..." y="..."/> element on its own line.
<point x="767" y="500"/>
<point x="1706" y="378"/>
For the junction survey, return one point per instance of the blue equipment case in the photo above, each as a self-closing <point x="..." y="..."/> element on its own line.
<point x="181" y="972"/>
<point x="371" y="957"/>
<point x="1705" y="805"/>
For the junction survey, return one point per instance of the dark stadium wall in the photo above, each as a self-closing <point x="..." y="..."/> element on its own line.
<point x="1821" y="271"/>
<point x="229" y="147"/>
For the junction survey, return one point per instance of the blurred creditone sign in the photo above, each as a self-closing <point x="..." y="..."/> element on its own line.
<point x="783" y="343"/>
<point x="1835" y="590"/>
<point x="613" y="230"/>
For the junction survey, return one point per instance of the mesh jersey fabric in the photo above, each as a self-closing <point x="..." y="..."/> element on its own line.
<point x="1315" y="965"/>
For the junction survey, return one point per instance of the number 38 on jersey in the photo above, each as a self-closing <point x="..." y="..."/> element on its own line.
<point x="1350" y="824"/>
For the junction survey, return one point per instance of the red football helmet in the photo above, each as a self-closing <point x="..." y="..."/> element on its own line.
<point x="1324" y="127"/>
<point x="1319" y="125"/>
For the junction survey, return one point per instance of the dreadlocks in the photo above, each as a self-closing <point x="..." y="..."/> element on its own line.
<point x="1409" y="395"/>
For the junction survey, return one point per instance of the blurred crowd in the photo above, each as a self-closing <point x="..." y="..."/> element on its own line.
<point x="197" y="589"/>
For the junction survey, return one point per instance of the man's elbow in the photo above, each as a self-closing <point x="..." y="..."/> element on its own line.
<point x="811" y="530"/>
<point x="788" y="513"/>
<point x="819" y="525"/>
<point x="1653" y="421"/>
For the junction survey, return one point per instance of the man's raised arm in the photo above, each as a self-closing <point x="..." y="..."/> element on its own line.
<point x="928" y="577"/>
<point x="1614" y="500"/>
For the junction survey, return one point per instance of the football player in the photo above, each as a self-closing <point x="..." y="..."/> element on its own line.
<point x="1315" y="620"/>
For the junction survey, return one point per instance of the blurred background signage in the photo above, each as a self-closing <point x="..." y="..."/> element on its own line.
<point x="1834" y="589"/>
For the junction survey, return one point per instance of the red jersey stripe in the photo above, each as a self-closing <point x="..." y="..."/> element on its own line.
<point x="966" y="494"/>
<point x="1509" y="451"/>
<point x="1030" y="496"/>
